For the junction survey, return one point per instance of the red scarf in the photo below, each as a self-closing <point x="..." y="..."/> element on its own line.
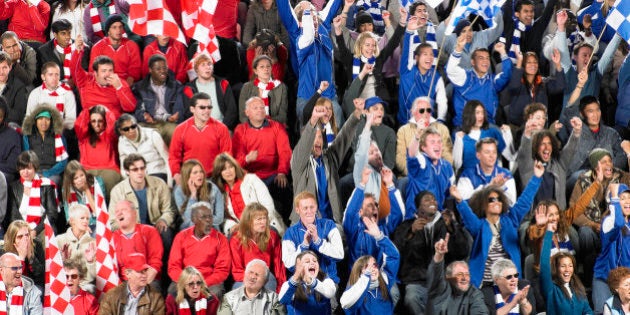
<point x="75" y="199"/>
<point x="95" y="18"/>
<point x="67" y="54"/>
<point x="236" y="198"/>
<point x="58" y="94"/>
<point x="34" y="212"/>
<point x="201" y="305"/>
<point x="60" y="150"/>
<point x="17" y="300"/>
<point x="266" y="88"/>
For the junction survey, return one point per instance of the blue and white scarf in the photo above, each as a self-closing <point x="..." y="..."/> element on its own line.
<point x="429" y="39"/>
<point x="356" y="64"/>
<point x="330" y="135"/>
<point x="499" y="303"/>
<point x="515" y="47"/>
<point x="375" y="9"/>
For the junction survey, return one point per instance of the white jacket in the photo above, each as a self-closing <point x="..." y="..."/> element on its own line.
<point x="151" y="147"/>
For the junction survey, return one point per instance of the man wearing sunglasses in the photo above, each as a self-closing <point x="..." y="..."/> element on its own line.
<point x="18" y="293"/>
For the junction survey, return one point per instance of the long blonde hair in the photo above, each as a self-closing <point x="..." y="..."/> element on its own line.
<point x="357" y="270"/>
<point x="186" y="274"/>
<point x="361" y="40"/>
<point x="245" y="230"/>
<point x="11" y="234"/>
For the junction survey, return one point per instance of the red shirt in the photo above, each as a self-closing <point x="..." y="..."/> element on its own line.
<point x="272" y="257"/>
<point x="27" y="21"/>
<point x="145" y="240"/>
<point x="104" y="155"/>
<point x="176" y="58"/>
<point x="84" y="303"/>
<point x="127" y="62"/>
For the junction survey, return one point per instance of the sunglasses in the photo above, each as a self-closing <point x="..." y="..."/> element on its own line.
<point x="204" y="107"/>
<point x="193" y="284"/>
<point x="509" y="277"/>
<point x="494" y="199"/>
<point x="125" y="129"/>
<point x="14" y="268"/>
<point x="423" y="110"/>
<point x="73" y="277"/>
<point x="141" y="168"/>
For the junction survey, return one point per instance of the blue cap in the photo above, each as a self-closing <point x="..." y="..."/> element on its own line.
<point x="622" y="188"/>
<point x="373" y="101"/>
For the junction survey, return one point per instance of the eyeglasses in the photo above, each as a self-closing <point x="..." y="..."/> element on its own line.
<point x="125" y="129"/>
<point x="462" y="275"/>
<point x="193" y="284"/>
<point x="494" y="199"/>
<point x="14" y="268"/>
<point x="204" y="107"/>
<point x="135" y="169"/>
<point x="97" y="121"/>
<point x="422" y="110"/>
<point x="73" y="277"/>
<point x="509" y="277"/>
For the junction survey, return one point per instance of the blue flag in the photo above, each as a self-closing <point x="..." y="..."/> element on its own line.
<point x="619" y="18"/>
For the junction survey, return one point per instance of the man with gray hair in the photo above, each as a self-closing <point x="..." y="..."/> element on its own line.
<point x="508" y="293"/>
<point x="252" y="298"/>
<point x="18" y="294"/>
<point x="202" y="247"/>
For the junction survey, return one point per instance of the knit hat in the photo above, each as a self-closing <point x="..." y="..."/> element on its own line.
<point x="373" y="101"/>
<point x="363" y="18"/>
<point x="596" y="155"/>
<point x="460" y="26"/>
<point x="111" y="20"/>
<point x="44" y="113"/>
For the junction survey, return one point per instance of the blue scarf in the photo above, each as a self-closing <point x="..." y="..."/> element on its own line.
<point x="430" y="39"/>
<point x="322" y="189"/>
<point x="375" y="9"/>
<point x="498" y="301"/>
<point x="515" y="47"/>
<point x="357" y="62"/>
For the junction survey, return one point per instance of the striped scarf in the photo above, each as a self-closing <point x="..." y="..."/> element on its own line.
<point x="375" y="9"/>
<point x="330" y="135"/>
<point x="430" y="39"/>
<point x="95" y="18"/>
<point x="60" y="150"/>
<point x="35" y="211"/>
<point x="515" y="47"/>
<point x="95" y="193"/>
<point x="201" y="304"/>
<point x="15" y="307"/>
<point x="266" y="88"/>
<point x="67" y="53"/>
<point x="58" y="94"/>
<point x="498" y="301"/>
<point x="564" y="246"/>
<point x="356" y="65"/>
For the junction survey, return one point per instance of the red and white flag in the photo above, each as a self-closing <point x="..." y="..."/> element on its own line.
<point x="197" y="21"/>
<point x="106" y="264"/>
<point x="56" y="294"/>
<point x="152" y="17"/>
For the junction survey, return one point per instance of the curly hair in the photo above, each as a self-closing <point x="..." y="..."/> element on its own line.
<point x="479" y="200"/>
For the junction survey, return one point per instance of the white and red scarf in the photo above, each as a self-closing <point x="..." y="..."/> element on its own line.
<point x="34" y="212"/>
<point x="58" y="94"/>
<point x="96" y="18"/>
<point x="201" y="304"/>
<point x="60" y="151"/>
<point x="96" y="193"/>
<point x="67" y="53"/>
<point x="266" y="88"/>
<point x="15" y="306"/>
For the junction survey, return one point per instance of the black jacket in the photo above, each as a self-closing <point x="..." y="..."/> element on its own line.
<point x="16" y="95"/>
<point x="46" y="53"/>
<point x="48" y="200"/>
<point x="173" y="98"/>
<point x="227" y="102"/>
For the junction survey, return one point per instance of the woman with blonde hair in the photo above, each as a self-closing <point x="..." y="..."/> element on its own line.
<point x="254" y="239"/>
<point x="19" y="239"/>
<point x="241" y="189"/>
<point x="195" y="187"/>
<point x="192" y="293"/>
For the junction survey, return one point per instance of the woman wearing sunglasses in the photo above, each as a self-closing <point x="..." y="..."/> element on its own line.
<point x="494" y="225"/>
<point x="82" y="302"/>
<point x="144" y="141"/>
<point x="192" y="295"/>
<point x="509" y="294"/>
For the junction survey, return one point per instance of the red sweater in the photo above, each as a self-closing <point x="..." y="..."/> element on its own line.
<point x="210" y="255"/>
<point x="127" y="62"/>
<point x="117" y="100"/>
<point x="272" y="143"/>
<point x="27" y="21"/>
<point x="84" y="303"/>
<point x="272" y="256"/>
<point x="176" y="58"/>
<point x="188" y="142"/>
<point x="145" y="240"/>
<point x="105" y="154"/>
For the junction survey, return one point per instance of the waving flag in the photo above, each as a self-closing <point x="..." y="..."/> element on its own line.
<point x="486" y="9"/>
<point x="197" y="20"/>
<point x="106" y="264"/>
<point x="619" y="18"/>
<point x="152" y="17"/>
<point x="56" y="295"/>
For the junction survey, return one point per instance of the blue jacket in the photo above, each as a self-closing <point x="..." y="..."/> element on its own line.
<point x="479" y="229"/>
<point x="147" y="99"/>
<point x="615" y="244"/>
<point x="476" y="177"/>
<point x="434" y="178"/>
<point x="312" y="306"/>
<point x="469" y="153"/>
<point x="622" y="117"/>
<point x="314" y="62"/>
<point x="325" y="227"/>
<point x="557" y="302"/>
<point x="359" y="242"/>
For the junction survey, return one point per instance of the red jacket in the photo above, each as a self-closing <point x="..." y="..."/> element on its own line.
<point x="176" y="58"/>
<point x="210" y="255"/>
<point x="225" y="18"/>
<point x="145" y="240"/>
<point x="272" y="143"/>
<point x="117" y="100"/>
<point x="127" y="62"/>
<point x="188" y="142"/>
<point x="105" y="154"/>
<point x="84" y="303"/>
<point x="272" y="256"/>
<point x="27" y="21"/>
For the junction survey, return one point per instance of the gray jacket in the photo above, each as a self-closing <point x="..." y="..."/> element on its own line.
<point x="266" y="303"/>
<point x="607" y="138"/>
<point x="32" y="298"/>
<point x="303" y="170"/>
<point x="278" y="101"/>
<point x="443" y="299"/>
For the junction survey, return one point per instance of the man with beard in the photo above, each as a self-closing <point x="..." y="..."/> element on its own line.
<point x="450" y="291"/>
<point x="427" y="169"/>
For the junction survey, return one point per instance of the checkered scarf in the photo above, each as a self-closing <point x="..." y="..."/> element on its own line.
<point x="266" y="88"/>
<point x="95" y="18"/>
<point x="375" y="9"/>
<point x="34" y="211"/>
<point x="515" y="48"/>
<point x="201" y="304"/>
<point x="356" y="65"/>
<point x="430" y="39"/>
<point x="498" y="301"/>
<point x="17" y="300"/>
<point x="58" y="94"/>
<point x="67" y="53"/>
